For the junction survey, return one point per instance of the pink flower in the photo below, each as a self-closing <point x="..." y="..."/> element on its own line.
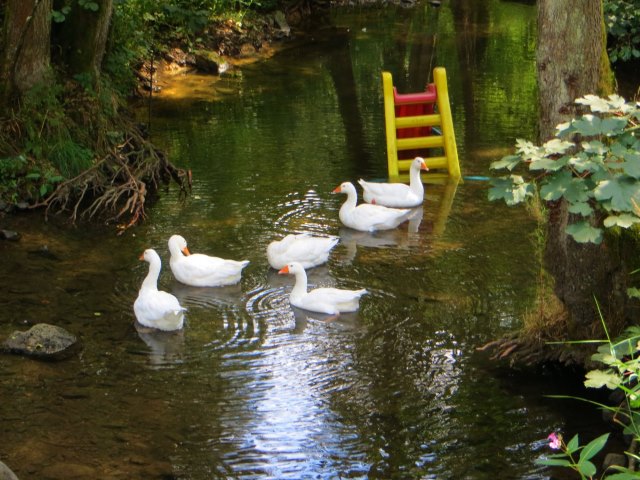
<point x="555" y="441"/>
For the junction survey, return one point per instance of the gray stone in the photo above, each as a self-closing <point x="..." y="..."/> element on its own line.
<point x="9" y="235"/>
<point x="612" y="459"/>
<point x="6" y="473"/>
<point x="42" y="341"/>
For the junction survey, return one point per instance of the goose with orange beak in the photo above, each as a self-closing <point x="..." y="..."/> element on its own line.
<point x="366" y="217"/>
<point x="331" y="301"/>
<point x="199" y="270"/>
<point x="154" y="308"/>
<point x="397" y="195"/>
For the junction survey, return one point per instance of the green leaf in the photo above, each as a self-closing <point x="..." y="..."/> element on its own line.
<point x="581" y="208"/>
<point x="633" y="292"/>
<point x="624" y="220"/>
<point x="583" y="232"/>
<point x="628" y="475"/>
<point x="512" y="190"/>
<point x="509" y="162"/>
<point x="600" y="378"/>
<point x="595" y="147"/>
<point x="631" y="165"/>
<point x="620" y="191"/>
<point x="585" y="163"/>
<point x="573" y="444"/>
<point x="592" y="448"/>
<point x="557" y="146"/>
<point x="594" y="102"/>
<point x="587" y="468"/>
<point x="556" y="186"/>
<point x="553" y="462"/>
<point x="548" y="164"/>
<point x="592" y="126"/>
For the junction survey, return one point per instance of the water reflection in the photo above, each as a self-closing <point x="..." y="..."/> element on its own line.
<point x="402" y="237"/>
<point x="166" y="348"/>
<point x="226" y="296"/>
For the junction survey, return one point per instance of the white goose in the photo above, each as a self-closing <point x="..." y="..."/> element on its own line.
<point x="366" y="217"/>
<point x="200" y="270"/>
<point x="309" y="250"/>
<point x="324" y="300"/>
<point x="397" y="195"/>
<point x="154" y="308"/>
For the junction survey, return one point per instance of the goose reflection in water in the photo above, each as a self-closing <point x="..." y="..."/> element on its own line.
<point x="347" y="321"/>
<point x="166" y="348"/>
<point x="230" y="295"/>
<point x="398" y="237"/>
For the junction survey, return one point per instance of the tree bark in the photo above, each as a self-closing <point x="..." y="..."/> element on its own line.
<point x="83" y="38"/>
<point x="571" y="62"/>
<point x="25" y="45"/>
<point x="572" y="58"/>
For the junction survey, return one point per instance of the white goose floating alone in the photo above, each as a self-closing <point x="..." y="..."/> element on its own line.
<point x="308" y="250"/>
<point x="154" y="308"/>
<point x="327" y="300"/>
<point x="198" y="270"/>
<point x="397" y="195"/>
<point x="367" y="217"/>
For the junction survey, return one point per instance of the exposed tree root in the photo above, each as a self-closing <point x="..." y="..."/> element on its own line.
<point x="520" y="351"/>
<point x="118" y="185"/>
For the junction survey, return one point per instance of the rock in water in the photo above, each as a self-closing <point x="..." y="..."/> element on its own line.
<point x="42" y="341"/>
<point x="6" y="473"/>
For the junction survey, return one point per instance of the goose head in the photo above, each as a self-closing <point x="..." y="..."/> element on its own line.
<point x="419" y="164"/>
<point x="177" y="243"/>
<point x="150" y="256"/>
<point x="345" y="187"/>
<point x="291" y="268"/>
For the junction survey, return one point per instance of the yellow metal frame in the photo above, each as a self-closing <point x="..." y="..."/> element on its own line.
<point x="442" y="119"/>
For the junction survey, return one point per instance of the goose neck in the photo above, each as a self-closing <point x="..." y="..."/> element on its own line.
<point x="151" y="280"/>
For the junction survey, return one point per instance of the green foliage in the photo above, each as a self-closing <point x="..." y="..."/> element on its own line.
<point x="621" y="371"/>
<point x="19" y="180"/>
<point x="593" y="164"/>
<point x="622" y="18"/>
<point x="10" y="170"/>
<point x="569" y="451"/>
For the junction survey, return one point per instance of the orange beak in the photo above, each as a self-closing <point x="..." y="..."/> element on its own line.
<point x="186" y="251"/>
<point x="423" y="166"/>
<point x="338" y="189"/>
<point x="141" y="257"/>
<point x="284" y="269"/>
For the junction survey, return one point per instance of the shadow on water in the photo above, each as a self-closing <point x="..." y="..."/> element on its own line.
<point x="253" y="388"/>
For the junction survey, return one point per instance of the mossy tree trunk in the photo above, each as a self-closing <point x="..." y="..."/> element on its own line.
<point x="571" y="62"/>
<point x="25" y="46"/>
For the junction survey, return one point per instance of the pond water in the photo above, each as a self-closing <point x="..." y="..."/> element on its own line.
<point x="253" y="388"/>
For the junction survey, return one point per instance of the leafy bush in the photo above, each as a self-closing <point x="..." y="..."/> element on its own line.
<point x="593" y="164"/>
<point x="622" y="18"/>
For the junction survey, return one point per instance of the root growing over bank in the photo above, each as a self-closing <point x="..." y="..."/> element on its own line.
<point x="117" y="186"/>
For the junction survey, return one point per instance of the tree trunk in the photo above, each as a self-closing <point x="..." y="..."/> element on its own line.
<point x="572" y="58"/>
<point x="83" y="38"/>
<point x="25" y="46"/>
<point x="572" y="62"/>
